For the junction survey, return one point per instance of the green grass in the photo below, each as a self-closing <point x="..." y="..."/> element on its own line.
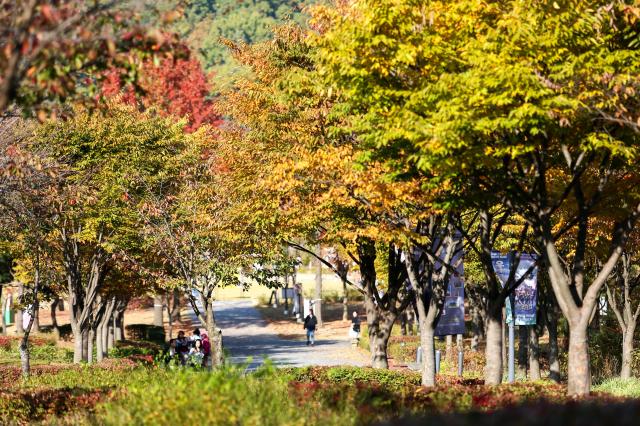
<point x="629" y="388"/>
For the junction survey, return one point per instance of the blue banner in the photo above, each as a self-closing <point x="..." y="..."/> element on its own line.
<point x="523" y="300"/>
<point x="451" y="320"/>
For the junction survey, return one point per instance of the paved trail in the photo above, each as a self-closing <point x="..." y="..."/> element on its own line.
<point x="246" y="335"/>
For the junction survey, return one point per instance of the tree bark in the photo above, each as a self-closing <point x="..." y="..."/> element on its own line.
<point x="158" y="311"/>
<point x="215" y="337"/>
<point x="54" y="319"/>
<point x="25" y="358"/>
<point x="318" y="294"/>
<point x="110" y="336"/>
<point x="523" y="336"/>
<point x="91" y="335"/>
<point x="99" y="347"/>
<point x="477" y="329"/>
<point x="554" y="361"/>
<point x="18" y="315"/>
<point x="379" y="342"/>
<point x="36" y="321"/>
<point x="4" y="302"/>
<point x="579" y="381"/>
<point x="345" y="302"/>
<point x="627" y="351"/>
<point x="175" y="310"/>
<point x="534" y="353"/>
<point x="493" y="351"/>
<point x="85" y="345"/>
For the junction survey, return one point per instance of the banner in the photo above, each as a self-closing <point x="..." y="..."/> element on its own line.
<point x="452" y="318"/>
<point x="526" y="294"/>
<point x="523" y="300"/>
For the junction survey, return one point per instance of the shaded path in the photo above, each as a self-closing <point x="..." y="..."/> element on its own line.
<point x="247" y="335"/>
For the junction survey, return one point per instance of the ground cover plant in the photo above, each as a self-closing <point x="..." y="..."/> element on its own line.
<point x="121" y="391"/>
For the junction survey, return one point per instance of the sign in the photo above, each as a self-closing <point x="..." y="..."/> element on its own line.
<point x="523" y="300"/>
<point x="526" y="294"/>
<point x="287" y="293"/>
<point x="451" y="320"/>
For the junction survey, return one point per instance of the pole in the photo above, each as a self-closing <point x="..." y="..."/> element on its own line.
<point x="438" y="354"/>
<point x="460" y="362"/>
<point x="512" y="353"/>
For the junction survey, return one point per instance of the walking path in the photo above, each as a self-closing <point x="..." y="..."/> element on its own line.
<point x="247" y="336"/>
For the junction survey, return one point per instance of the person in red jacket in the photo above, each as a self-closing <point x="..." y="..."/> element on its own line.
<point x="206" y="347"/>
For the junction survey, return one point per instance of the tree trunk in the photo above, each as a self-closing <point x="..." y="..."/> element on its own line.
<point x="54" y="319"/>
<point x="493" y="350"/>
<point x="427" y="318"/>
<point x="448" y="353"/>
<point x="158" y="311"/>
<point x="3" y="308"/>
<point x="18" y="316"/>
<point x="36" y="321"/>
<point x="534" y="354"/>
<point x="175" y="310"/>
<point x="215" y="337"/>
<point x="25" y="359"/>
<point x="345" y="302"/>
<point x="318" y="305"/>
<point x="379" y="344"/>
<point x="110" y="336"/>
<point x="85" y="345"/>
<point x="627" y="351"/>
<point x="523" y="336"/>
<point x="428" y="353"/>
<point x="77" y="347"/>
<point x="554" y="361"/>
<point x="579" y="380"/>
<point x="91" y="334"/>
<point x="505" y="339"/>
<point x="119" y="326"/>
<point x="99" y="344"/>
<point x="477" y="328"/>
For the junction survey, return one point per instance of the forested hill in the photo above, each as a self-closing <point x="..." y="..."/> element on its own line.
<point x="204" y="22"/>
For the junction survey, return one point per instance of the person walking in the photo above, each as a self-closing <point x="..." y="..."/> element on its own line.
<point x="310" y="324"/>
<point x="354" y="333"/>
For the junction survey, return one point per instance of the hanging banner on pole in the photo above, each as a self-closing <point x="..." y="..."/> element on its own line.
<point x="452" y="318"/>
<point x="526" y="294"/>
<point x="523" y="300"/>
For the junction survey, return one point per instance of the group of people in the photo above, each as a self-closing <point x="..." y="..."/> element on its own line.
<point x="193" y="351"/>
<point x="311" y="323"/>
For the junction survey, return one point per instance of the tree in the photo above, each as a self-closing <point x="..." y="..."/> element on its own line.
<point x="175" y="87"/>
<point x="53" y="51"/>
<point x="206" y="22"/>
<point x="622" y="292"/>
<point x="27" y="214"/>
<point x="110" y="159"/>
<point x="543" y="137"/>
<point x="306" y="178"/>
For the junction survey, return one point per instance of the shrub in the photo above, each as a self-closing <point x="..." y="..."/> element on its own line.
<point x="128" y="348"/>
<point x="222" y="397"/>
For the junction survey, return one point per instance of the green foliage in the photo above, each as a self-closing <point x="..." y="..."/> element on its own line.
<point x="223" y="397"/>
<point x="394" y="380"/>
<point x="42" y="350"/>
<point x="252" y="21"/>
<point x="127" y="348"/>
